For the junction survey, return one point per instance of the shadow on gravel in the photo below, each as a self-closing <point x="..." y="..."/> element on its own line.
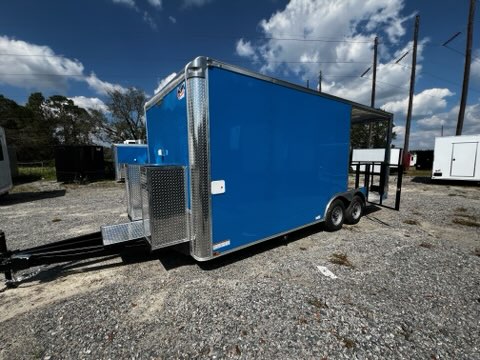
<point x="270" y="244"/>
<point x="175" y="257"/>
<point x="428" y="180"/>
<point x="371" y="209"/>
<point x="45" y="275"/>
<point x="169" y="258"/>
<point x="261" y="247"/>
<point x="23" y="197"/>
<point x="422" y="180"/>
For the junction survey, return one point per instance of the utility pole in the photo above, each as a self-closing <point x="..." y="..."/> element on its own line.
<point x="308" y="84"/>
<point x="412" y="90"/>
<point x="374" y="80"/>
<point x="320" y="81"/>
<point x="466" y="72"/>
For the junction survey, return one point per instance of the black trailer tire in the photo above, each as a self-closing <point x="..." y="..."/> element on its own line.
<point x="355" y="210"/>
<point x="335" y="216"/>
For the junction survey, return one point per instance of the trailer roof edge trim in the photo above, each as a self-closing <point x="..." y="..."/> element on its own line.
<point x="165" y="90"/>
<point x="360" y="113"/>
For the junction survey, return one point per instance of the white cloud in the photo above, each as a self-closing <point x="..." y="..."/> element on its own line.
<point x="149" y="20"/>
<point x="102" y="87"/>
<point x="34" y="66"/>
<point x="244" y="48"/>
<point x="195" y="3"/>
<point x="427" y="102"/>
<point x="425" y="129"/>
<point x="89" y="103"/>
<point x="172" y="19"/>
<point x="156" y="3"/>
<point x="130" y="3"/>
<point x="336" y="37"/>
<point x="345" y="20"/>
<point x="164" y="82"/>
<point x="475" y="65"/>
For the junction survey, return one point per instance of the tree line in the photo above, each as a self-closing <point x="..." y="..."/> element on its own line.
<point x="40" y="124"/>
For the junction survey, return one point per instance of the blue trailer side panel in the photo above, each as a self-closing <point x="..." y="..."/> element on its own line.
<point x="167" y="130"/>
<point x="283" y="154"/>
<point x="131" y="154"/>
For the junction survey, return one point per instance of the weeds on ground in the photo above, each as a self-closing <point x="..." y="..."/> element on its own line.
<point x="411" y="222"/>
<point x="426" y="245"/>
<point x="340" y="259"/>
<point x="349" y="343"/>
<point x="465" y="222"/>
<point x="476" y="252"/>
<point x="26" y="174"/>
<point x="318" y="303"/>
<point x="460" y="209"/>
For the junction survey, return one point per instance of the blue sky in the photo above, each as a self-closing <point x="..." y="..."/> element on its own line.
<point x="82" y="49"/>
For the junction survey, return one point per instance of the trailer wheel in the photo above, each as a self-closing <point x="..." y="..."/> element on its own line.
<point x="335" y="216"/>
<point x="355" y="210"/>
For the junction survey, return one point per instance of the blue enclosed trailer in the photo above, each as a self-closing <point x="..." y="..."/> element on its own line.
<point x="234" y="158"/>
<point x="124" y="154"/>
<point x="245" y="158"/>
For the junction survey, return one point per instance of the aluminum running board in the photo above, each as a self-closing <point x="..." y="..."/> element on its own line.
<point x="115" y="234"/>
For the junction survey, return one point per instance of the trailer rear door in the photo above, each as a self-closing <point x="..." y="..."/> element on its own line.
<point x="464" y="156"/>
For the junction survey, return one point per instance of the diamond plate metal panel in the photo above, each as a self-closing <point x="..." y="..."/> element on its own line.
<point x="198" y="133"/>
<point x="164" y="205"/>
<point x="133" y="189"/>
<point x="114" y="234"/>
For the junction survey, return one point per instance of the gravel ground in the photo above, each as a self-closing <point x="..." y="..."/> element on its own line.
<point x="408" y="286"/>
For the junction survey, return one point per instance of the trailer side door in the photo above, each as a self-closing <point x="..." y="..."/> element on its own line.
<point x="464" y="156"/>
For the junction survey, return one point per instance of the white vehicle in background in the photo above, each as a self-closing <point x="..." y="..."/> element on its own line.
<point x="457" y="158"/>
<point x="5" y="175"/>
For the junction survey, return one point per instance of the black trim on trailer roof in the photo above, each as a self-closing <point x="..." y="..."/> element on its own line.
<point x="360" y="113"/>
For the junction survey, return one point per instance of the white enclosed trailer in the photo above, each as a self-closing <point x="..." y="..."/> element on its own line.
<point x="375" y="155"/>
<point x="457" y="158"/>
<point x="5" y="175"/>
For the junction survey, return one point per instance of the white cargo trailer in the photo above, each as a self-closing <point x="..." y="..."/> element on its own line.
<point x="457" y="158"/>
<point x="377" y="155"/>
<point x="5" y="175"/>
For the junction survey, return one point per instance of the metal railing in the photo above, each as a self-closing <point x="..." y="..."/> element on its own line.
<point x="375" y="179"/>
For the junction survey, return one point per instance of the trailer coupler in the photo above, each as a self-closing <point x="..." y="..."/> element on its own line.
<point x="73" y="249"/>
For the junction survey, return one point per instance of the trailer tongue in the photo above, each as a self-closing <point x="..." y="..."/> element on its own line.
<point x="234" y="158"/>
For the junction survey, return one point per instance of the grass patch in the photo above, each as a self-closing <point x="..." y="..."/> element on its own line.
<point x="415" y="172"/>
<point x="466" y="222"/>
<point x="349" y="343"/>
<point x="411" y="222"/>
<point x="426" y="245"/>
<point x="33" y="173"/>
<point x="467" y="216"/>
<point x="318" y="303"/>
<point x="340" y="259"/>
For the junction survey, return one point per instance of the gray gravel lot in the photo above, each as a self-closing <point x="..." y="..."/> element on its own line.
<point x="409" y="286"/>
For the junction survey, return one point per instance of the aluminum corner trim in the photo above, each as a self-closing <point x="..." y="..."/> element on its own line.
<point x="196" y="68"/>
<point x="199" y="162"/>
